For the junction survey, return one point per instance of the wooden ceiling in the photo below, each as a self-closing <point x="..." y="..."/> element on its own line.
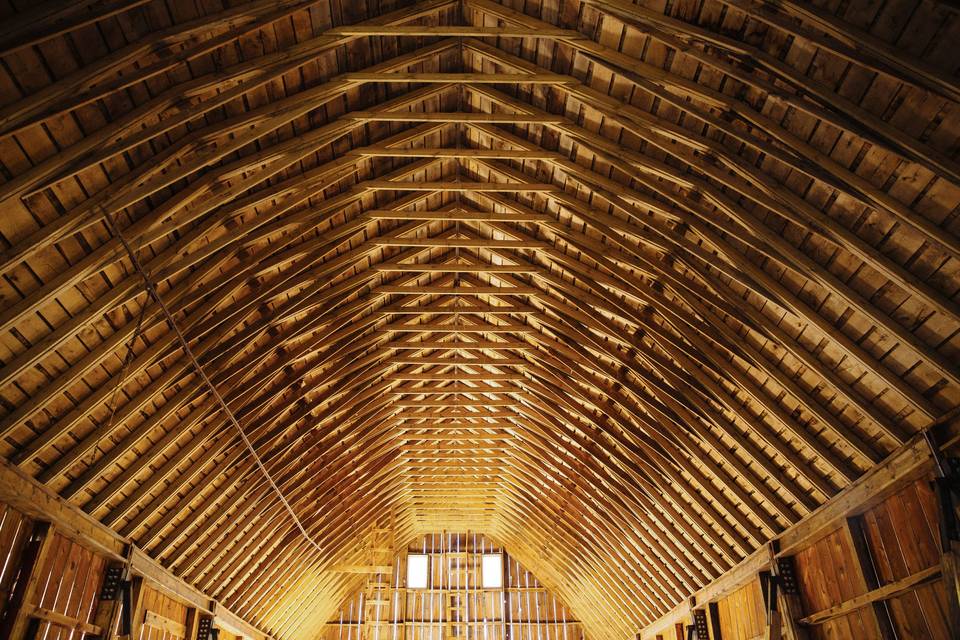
<point x="630" y="287"/>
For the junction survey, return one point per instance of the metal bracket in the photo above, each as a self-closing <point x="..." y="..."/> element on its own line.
<point x="112" y="580"/>
<point x="787" y="576"/>
<point x="700" y="624"/>
<point x="204" y="628"/>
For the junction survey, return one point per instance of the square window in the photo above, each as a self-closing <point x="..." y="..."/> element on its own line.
<point x="417" y="570"/>
<point x="492" y="571"/>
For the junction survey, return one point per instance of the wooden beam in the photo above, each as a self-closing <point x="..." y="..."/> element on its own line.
<point x="444" y="152"/>
<point x="480" y="455"/>
<point x="167" y="626"/>
<point x="455" y="388"/>
<point x="480" y="404"/>
<point x="473" y="78"/>
<point x="479" y="345"/>
<point x="457" y="377"/>
<point x="360" y="568"/>
<point x="192" y="624"/>
<point x="446" y="424"/>
<point x="452" y="361"/>
<point x="29" y="497"/>
<point x="446" y="31"/>
<point x="452" y="267"/>
<point x="788" y="602"/>
<point x="420" y="290"/>
<point x="454" y="243"/>
<point x="107" y="609"/>
<point x="456" y="437"/>
<point x="435" y="327"/>
<point x="946" y="491"/>
<point x="908" y="463"/>
<point x="445" y="185"/>
<point x="224" y="618"/>
<point x="428" y="415"/>
<point x="472" y="309"/>
<point x="713" y="616"/>
<point x="69" y="623"/>
<point x="450" y="116"/>
<point x="885" y="592"/>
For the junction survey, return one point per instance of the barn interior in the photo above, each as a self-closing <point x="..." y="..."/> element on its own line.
<point x="479" y="319"/>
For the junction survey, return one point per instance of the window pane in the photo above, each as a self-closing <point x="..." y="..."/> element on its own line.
<point x="417" y="571"/>
<point x="492" y="571"/>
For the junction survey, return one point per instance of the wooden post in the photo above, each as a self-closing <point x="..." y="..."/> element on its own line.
<point x="855" y="534"/>
<point x="788" y="595"/>
<point x="713" y="613"/>
<point x="136" y="607"/>
<point x="192" y="623"/>
<point x="109" y="602"/>
<point x="17" y="622"/>
<point x="768" y="588"/>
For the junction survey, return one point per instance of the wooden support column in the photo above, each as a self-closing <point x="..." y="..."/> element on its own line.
<point x="788" y="595"/>
<point x="17" y="623"/>
<point x="135" y="604"/>
<point x="855" y="533"/>
<point x="768" y="588"/>
<point x="713" y="613"/>
<point x="192" y="623"/>
<point x="109" y="601"/>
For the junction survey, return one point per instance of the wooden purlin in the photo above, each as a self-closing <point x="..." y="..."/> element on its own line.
<point x="587" y="277"/>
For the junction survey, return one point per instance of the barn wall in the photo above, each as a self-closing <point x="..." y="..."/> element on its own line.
<point x="63" y="589"/>
<point x="902" y="540"/>
<point x="455" y="605"/>
<point x="60" y="596"/>
<point x="163" y="618"/>
<point x="741" y="614"/>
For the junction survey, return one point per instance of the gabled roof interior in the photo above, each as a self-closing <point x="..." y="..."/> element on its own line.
<point x="629" y="287"/>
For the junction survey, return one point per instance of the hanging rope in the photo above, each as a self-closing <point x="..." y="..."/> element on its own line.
<point x="152" y="291"/>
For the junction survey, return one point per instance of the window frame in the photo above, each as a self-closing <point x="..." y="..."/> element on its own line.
<point x="426" y="571"/>
<point x="498" y="584"/>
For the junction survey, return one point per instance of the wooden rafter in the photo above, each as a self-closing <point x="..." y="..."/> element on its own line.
<point x="636" y="293"/>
